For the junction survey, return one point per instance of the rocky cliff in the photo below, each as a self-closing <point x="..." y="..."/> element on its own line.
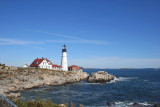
<point x="25" y="78"/>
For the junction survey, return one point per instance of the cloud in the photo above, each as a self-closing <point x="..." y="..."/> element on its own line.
<point x="78" y="41"/>
<point x="73" y="39"/>
<point x="8" y="41"/>
<point x="32" y="44"/>
<point x="117" y="62"/>
<point x="61" y="35"/>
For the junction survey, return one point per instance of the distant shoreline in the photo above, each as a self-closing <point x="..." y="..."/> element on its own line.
<point x="121" y="68"/>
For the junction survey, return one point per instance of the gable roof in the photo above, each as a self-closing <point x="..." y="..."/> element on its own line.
<point x="48" y="61"/>
<point x="36" y="62"/>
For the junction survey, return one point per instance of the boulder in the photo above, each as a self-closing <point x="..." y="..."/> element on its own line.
<point x="100" y="77"/>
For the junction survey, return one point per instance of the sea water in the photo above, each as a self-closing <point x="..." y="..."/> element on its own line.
<point x="135" y="87"/>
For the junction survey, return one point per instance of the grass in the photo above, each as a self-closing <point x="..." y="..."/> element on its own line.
<point x="36" y="103"/>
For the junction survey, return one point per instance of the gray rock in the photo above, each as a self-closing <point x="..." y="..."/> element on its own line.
<point x="100" y="77"/>
<point x="24" y="78"/>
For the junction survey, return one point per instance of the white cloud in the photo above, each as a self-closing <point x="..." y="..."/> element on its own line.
<point x="8" y="41"/>
<point x="79" y="41"/>
<point x="117" y="62"/>
<point x="50" y="33"/>
<point x="73" y="39"/>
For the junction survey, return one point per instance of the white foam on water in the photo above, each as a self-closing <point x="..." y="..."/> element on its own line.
<point x="146" y="80"/>
<point x="145" y="104"/>
<point x="119" y="102"/>
<point x="114" y="80"/>
<point x="126" y="78"/>
<point x="93" y="83"/>
<point x="130" y="104"/>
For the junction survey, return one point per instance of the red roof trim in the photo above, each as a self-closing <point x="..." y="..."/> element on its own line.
<point x="60" y="66"/>
<point x="56" y="66"/>
<point x="73" y="66"/>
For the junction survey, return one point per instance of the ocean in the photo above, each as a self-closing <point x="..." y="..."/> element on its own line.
<point x="135" y="87"/>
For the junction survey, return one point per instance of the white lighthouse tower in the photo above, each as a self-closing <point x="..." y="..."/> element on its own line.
<point x="64" y="59"/>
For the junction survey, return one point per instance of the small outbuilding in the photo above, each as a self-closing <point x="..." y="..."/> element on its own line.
<point x="73" y="68"/>
<point x="56" y="67"/>
<point x="25" y="66"/>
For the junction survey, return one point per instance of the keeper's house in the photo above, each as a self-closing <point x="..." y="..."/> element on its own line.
<point x="44" y="63"/>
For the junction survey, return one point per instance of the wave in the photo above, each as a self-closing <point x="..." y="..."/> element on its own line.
<point x="126" y="78"/>
<point x="93" y="83"/>
<point x="116" y="80"/>
<point x="122" y="79"/>
<point x="131" y="104"/>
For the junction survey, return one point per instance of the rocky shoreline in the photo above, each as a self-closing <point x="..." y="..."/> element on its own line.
<point x="12" y="82"/>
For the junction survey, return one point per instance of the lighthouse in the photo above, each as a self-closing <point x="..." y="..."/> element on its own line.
<point x="64" y="59"/>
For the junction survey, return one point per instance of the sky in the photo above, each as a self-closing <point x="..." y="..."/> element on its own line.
<point x="97" y="33"/>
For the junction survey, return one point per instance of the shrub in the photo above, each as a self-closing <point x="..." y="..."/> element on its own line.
<point x="36" y="103"/>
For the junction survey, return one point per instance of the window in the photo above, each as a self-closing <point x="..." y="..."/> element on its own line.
<point x="35" y="62"/>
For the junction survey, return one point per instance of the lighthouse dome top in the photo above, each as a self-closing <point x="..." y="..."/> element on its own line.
<point x="64" y="48"/>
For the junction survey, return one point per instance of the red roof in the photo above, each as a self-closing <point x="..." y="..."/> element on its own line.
<point x="56" y="66"/>
<point x="73" y="66"/>
<point x="48" y="61"/>
<point x="36" y="62"/>
<point x="59" y="66"/>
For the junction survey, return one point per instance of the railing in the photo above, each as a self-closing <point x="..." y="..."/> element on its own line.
<point x="7" y="101"/>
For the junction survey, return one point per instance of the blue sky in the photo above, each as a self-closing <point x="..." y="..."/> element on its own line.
<point x="97" y="33"/>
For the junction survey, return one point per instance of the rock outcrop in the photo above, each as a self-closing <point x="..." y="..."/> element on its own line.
<point x="100" y="77"/>
<point x="25" y="78"/>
